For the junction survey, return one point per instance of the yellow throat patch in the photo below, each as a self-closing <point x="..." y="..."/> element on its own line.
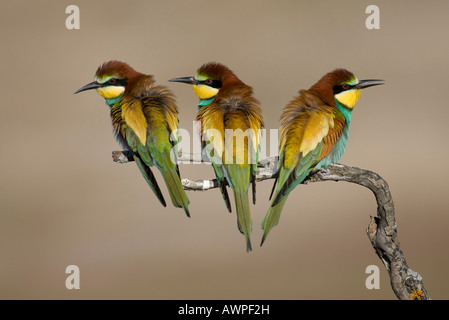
<point x="110" y="92"/>
<point x="348" y="98"/>
<point x="204" y="92"/>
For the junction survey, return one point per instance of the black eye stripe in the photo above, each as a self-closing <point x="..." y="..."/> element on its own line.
<point x="211" y="83"/>
<point x="117" y="83"/>
<point x="342" y="87"/>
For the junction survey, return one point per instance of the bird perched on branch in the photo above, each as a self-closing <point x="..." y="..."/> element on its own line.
<point x="228" y="112"/>
<point x="144" y="119"/>
<point x="313" y="134"/>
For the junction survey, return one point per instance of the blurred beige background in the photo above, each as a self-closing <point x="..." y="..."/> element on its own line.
<point x="63" y="201"/>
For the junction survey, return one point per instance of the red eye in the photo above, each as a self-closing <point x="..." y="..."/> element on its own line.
<point x="345" y="86"/>
<point x="112" y="81"/>
<point x="208" y="81"/>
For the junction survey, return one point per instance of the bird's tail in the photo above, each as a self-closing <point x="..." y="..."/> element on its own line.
<point x="222" y="184"/>
<point x="177" y="194"/>
<point x="243" y="216"/>
<point x="272" y="218"/>
<point x="149" y="178"/>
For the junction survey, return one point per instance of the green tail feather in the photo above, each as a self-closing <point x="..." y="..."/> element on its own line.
<point x="224" y="193"/>
<point x="272" y="218"/>
<point x="243" y="216"/>
<point x="150" y="179"/>
<point x="218" y="169"/>
<point x="177" y="194"/>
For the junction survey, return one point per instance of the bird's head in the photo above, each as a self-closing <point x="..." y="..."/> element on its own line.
<point x="209" y="79"/>
<point x="342" y="86"/>
<point x="111" y="80"/>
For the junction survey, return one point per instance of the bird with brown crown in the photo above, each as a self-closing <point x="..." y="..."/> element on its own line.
<point x="145" y="120"/>
<point x="228" y="112"/>
<point x="313" y="134"/>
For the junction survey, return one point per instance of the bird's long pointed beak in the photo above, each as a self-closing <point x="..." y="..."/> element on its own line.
<point x="188" y="80"/>
<point x="89" y="86"/>
<point x="363" y="84"/>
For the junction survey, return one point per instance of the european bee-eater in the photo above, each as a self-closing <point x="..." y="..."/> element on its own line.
<point x="228" y="110"/>
<point x="144" y="119"/>
<point x="313" y="134"/>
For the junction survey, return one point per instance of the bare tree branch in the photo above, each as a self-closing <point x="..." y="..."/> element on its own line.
<point x="266" y="169"/>
<point x="382" y="229"/>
